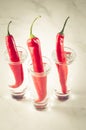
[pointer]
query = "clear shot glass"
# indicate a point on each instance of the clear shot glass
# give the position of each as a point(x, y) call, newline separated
point(17, 74)
point(63, 89)
point(40, 100)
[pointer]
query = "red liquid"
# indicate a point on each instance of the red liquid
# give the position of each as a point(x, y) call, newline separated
point(18, 74)
point(63, 72)
point(41, 87)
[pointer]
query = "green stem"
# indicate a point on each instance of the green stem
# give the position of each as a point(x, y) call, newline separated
point(31, 34)
point(8, 28)
point(62, 31)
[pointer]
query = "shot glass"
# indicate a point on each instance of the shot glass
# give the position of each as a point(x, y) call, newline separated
point(17, 74)
point(40, 99)
point(63, 89)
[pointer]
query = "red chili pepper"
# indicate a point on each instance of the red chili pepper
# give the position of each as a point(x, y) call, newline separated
point(61, 57)
point(34, 47)
point(35, 51)
point(14, 59)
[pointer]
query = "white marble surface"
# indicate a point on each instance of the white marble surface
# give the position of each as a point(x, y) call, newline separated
point(21, 115)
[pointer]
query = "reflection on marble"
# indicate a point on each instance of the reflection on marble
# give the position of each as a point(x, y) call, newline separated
point(69, 115)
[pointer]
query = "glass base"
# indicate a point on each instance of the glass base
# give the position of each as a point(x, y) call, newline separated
point(61, 96)
point(18, 95)
point(41, 105)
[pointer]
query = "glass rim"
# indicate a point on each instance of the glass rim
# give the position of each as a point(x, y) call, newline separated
point(24, 56)
point(47, 67)
point(73, 56)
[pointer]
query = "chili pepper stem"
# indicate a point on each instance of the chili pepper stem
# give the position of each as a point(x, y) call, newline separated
point(31, 34)
point(8, 28)
point(62, 31)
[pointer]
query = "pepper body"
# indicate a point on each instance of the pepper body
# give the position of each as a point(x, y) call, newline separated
point(16, 67)
point(11, 48)
point(60, 53)
point(36, 55)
